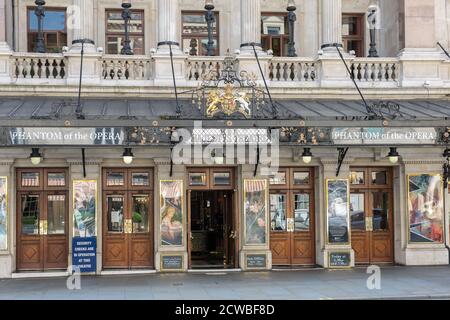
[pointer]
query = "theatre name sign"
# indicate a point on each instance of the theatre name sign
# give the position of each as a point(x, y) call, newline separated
point(384, 136)
point(63, 136)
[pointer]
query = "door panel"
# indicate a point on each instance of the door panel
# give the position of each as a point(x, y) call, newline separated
point(280, 239)
point(303, 233)
point(382, 225)
point(29, 229)
point(360, 237)
point(140, 240)
point(116, 248)
point(55, 240)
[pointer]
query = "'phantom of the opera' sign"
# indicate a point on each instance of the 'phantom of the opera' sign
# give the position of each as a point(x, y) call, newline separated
point(383, 136)
point(66, 136)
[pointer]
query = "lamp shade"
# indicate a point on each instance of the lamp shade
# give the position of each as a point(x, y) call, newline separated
point(128, 156)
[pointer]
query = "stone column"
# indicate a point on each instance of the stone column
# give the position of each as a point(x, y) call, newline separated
point(3, 44)
point(250, 24)
point(169, 19)
point(83, 25)
point(331, 24)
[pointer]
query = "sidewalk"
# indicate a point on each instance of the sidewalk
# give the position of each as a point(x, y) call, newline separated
point(396, 283)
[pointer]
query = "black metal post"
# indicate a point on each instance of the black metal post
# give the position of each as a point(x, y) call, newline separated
point(78, 111)
point(292, 18)
point(126, 16)
point(371, 18)
point(40, 14)
point(210, 19)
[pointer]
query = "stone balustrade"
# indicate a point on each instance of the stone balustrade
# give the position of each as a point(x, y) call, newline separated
point(280, 72)
point(119, 67)
point(373, 70)
point(293, 69)
point(38, 66)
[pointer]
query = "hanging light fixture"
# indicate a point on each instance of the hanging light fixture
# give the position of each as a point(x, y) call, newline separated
point(393, 155)
point(128, 156)
point(35, 156)
point(307, 155)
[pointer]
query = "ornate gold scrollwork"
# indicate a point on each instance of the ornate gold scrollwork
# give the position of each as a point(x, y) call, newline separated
point(128, 227)
point(228, 101)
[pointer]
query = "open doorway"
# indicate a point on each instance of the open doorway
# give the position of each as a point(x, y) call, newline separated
point(212, 235)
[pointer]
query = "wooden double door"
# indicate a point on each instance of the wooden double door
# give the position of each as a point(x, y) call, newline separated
point(42, 219)
point(127, 218)
point(371, 213)
point(292, 237)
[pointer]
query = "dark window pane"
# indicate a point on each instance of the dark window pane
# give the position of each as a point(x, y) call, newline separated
point(357, 211)
point(301, 212)
point(380, 210)
point(197, 179)
point(349, 26)
point(115, 213)
point(195, 23)
point(30, 214)
point(222, 178)
point(56, 212)
point(140, 214)
point(56, 179)
point(115, 43)
point(140, 179)
point(116, 24)
point(115, 179)
point(379, 178)
point(278, 212)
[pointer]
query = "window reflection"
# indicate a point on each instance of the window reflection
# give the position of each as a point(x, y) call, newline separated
point(115, 213)
point(301, 212)
point(380, 210)
point(278, 212)
point(30, 214)
point(115, 32)
point(56, 212)
point(274, 33)
point(278, 178)
point(195, 33)
point(357, 211)
point(140, 214)
point(379, 178)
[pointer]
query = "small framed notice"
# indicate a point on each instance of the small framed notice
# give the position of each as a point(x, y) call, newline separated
point(172, 263)
point(256, 261)
point(339, 260)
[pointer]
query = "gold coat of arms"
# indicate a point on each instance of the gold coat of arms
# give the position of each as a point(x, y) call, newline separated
point(228, 101)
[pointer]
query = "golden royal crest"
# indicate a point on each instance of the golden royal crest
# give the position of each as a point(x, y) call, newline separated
point(228, 101)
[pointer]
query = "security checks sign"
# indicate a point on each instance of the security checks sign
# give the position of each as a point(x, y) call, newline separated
point(383, 136)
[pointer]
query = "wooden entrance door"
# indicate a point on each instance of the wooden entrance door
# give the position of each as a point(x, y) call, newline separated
point(208, 188)
point(42, 219)
point(371, 208)
point(127, 218)
point(292, 217)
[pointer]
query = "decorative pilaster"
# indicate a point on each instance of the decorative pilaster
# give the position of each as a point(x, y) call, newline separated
point(250, 25)
point(83, 28)
point(331, 24)
point(4, 47)
point(169, 16)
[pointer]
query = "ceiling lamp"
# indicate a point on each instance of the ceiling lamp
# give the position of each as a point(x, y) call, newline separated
point(307, 155)
point(128, 156)
point(393, 156)
point(35, 156)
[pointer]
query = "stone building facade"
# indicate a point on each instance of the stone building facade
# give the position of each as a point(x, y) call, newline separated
point(343, 208)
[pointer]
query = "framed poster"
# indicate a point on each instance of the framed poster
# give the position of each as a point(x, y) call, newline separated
point(3, 213)
point(171, 212)
point(426, 208)
point(84, 208)
point(338, 210)
point(255, 211)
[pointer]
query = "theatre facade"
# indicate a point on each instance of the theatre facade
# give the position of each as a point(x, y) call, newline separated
point(173, 160)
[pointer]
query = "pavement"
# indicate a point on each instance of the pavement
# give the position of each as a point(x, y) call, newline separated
point(397, 282)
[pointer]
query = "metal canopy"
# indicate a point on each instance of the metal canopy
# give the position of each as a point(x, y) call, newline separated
point(56, 111)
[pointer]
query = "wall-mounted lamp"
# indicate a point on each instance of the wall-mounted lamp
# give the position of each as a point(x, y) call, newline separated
point(128, 156)
point(393, 155)
point(35, 156)
point(307, 155)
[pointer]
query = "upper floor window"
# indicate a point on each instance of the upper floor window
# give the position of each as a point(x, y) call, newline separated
point(274, 33)
point(115, 31)
point(353, 33)
point(195, 33)
point(55, 30)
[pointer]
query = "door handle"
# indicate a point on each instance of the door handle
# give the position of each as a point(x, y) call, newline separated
point(191, 236)
point(43, 227)
point(369, 224)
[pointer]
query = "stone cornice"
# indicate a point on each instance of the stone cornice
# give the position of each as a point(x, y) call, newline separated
point(6, 162)
point(423, 161)
point(161, 161)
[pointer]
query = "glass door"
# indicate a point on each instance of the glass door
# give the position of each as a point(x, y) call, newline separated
point(360, 226)
point(55, 222)
point(280, 240)
point(302, 226)
point(139, 239)
point(115, 253)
